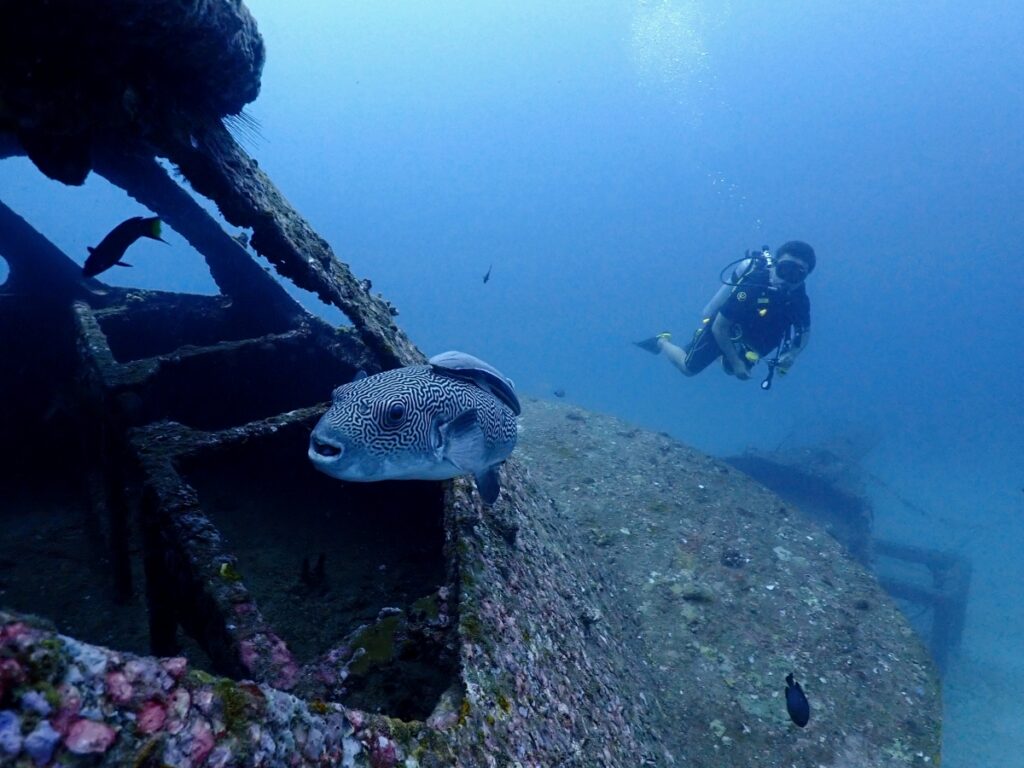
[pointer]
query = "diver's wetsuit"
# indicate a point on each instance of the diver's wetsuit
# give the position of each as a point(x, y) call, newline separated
point(760, 312)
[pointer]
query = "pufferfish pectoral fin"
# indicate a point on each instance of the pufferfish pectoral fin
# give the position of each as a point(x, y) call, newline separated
point(463, 442)
point(465, 447)
point(487, 484)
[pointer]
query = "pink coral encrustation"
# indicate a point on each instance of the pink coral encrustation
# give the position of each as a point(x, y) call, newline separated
point(151, 717)
point(86, 737)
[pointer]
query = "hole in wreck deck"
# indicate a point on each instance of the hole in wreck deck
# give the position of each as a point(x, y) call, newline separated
point(382, 546)
point(56, 559)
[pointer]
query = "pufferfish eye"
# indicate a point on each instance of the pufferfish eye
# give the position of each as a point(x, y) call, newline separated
point(394, 415)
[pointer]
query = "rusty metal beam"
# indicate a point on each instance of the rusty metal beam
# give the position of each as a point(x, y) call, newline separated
point(218, 168)
point(234, 271)
point(37, 266)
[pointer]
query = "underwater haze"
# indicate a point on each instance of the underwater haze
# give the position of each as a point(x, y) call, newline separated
point(605, 161)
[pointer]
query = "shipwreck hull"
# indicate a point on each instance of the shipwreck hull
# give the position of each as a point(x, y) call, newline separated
point(440, 632)
point(438, 629)
point(229, 605)
point(460, 632)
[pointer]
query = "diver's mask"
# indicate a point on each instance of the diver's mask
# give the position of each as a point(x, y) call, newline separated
point(791, 270)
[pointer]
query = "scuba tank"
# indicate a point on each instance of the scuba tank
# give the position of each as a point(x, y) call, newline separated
point(759, 259)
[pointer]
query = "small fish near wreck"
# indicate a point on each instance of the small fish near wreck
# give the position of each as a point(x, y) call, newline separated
point(111, 249)
point(454, 416)
point(796, 702)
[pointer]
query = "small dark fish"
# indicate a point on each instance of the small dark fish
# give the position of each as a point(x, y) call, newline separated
point(796, 703)
point(559, 393)
point(487, 276)
point(111, 249)
point(242, 238)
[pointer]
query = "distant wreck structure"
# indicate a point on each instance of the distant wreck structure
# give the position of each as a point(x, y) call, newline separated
point(828, 482)
point(178, 586)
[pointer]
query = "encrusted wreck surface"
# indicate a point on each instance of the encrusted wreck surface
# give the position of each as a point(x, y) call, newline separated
point(732, 589)
point(535, 681)
point(482, 650)
point(633, 602)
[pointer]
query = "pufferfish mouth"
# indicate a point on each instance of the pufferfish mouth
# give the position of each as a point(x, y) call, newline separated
point(322, 449)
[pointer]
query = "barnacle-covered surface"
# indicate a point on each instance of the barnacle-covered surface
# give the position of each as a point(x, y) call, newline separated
point(493, 650)
point(68, 703)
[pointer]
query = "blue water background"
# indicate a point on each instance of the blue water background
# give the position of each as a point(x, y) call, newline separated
point(608, 159)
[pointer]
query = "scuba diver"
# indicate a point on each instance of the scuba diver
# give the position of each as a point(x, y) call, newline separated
point(763, 306)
